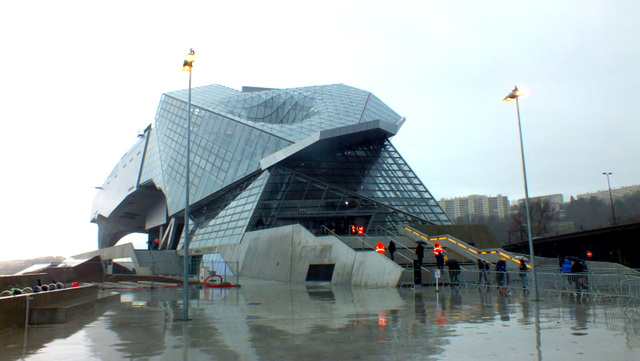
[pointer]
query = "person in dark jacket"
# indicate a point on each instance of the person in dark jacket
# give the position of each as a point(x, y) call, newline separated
point(578, 277)
point(481, 273)
point(454, 271)
point(501, 270)
point(420, 253)
point(522, 272)
point(392, 248)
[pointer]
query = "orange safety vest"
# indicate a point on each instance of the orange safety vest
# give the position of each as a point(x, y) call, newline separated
point(437, 249)
point(380, 248)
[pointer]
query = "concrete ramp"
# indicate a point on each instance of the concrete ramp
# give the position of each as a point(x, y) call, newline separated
point(286, 254)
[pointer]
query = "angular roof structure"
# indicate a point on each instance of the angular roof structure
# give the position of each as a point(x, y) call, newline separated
point(317, 156)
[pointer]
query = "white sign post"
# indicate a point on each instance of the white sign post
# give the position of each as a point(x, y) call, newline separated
point(436, 274)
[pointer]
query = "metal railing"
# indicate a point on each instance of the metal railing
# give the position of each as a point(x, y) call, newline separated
point(598, 284)
point(399, 245)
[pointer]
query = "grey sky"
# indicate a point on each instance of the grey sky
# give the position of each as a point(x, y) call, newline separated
point(79, 80)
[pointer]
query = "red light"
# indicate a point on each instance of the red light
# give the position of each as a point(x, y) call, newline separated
point(589, 254)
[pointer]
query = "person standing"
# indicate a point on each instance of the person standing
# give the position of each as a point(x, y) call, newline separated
point(501, 270)
point(487, 268)
point(392, 248)
point(522, 272)
point(454, 271)
point(576, 270)
point(438, 251)
point(420, 253)
point(482, 272)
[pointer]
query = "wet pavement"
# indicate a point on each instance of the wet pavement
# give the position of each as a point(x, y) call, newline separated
point(276, 321)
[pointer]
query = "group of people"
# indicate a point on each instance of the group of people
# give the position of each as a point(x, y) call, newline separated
point(501, 275)
point(576, 269)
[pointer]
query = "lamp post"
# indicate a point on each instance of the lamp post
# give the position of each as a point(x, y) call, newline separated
point(187, 66)
point(613, 212)
point(514, 95)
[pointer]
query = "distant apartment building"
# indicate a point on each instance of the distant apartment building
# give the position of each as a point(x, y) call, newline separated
point(615, 193)
point(555, 200)
point(476, 205)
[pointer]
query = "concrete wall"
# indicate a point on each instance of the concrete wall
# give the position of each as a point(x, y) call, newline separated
point(158, 263)
point(285, 253)
point(13, 308)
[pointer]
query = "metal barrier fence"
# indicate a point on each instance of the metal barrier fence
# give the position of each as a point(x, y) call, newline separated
point(550, 283)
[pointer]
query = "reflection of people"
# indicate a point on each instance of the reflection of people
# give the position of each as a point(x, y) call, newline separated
point(420, 310)
point(438, 251)
point(420, 253)
point(392, 248)
point(454, 271)
point(503, 309)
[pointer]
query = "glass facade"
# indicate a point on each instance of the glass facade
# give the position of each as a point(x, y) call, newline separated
point(317, 156)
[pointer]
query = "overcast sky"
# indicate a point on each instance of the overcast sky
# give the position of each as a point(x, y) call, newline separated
point(78, 81)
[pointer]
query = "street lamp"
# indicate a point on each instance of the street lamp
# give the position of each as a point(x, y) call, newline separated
point(187, 66)
point(613, 212)
point(514, 94)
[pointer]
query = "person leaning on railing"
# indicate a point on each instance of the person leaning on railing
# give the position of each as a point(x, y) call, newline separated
point(483, 268)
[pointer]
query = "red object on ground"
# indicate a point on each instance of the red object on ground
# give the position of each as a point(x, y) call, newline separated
point(380, 248)
point(216, 285)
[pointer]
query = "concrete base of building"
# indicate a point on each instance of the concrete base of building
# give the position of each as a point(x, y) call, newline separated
point(285, 254)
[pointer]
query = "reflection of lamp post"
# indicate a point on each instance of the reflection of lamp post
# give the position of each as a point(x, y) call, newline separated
point(187, 66)
point(613, 212)
point(515, 95)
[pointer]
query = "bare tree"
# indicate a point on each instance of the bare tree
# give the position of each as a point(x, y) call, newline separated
point(541, 213)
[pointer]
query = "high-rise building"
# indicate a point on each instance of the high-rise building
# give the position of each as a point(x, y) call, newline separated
point(319, 157)
point(476, 205)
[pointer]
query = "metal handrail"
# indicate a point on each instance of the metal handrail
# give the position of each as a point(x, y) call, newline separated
point(331, 232)
point(395, 240)
point(559, 284)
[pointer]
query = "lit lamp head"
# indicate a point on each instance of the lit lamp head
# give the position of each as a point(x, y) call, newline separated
point(513, 95)
point(188, 61)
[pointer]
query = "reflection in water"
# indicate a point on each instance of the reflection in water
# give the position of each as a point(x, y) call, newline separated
point(419, 307)
point(503, 308)
point(274, 321)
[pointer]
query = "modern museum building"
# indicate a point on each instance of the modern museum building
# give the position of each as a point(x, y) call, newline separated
point(279, 180)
